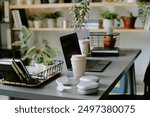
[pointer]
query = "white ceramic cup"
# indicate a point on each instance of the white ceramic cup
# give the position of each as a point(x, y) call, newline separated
point(29, 2)
point(84, 46)
point(19, 2)
point(78, 65)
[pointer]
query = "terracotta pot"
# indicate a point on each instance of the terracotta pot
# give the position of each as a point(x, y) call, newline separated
point(109, 42)
point(129, 22)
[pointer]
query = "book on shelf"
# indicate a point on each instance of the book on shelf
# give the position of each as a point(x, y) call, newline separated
point(102, 51)
point(6, 11)
point(147, 19)
point(16, 18)
point(23, 17)
point(6, 37)
point(9, 43)
point(19, 18)
point(44, 1)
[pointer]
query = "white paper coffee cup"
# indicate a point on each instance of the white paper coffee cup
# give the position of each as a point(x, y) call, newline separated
point(78, 65)
point(84, 46)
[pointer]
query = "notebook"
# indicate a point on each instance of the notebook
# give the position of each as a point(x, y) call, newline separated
point(70, 46)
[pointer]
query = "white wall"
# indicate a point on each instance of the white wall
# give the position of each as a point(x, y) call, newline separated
point(138, 40)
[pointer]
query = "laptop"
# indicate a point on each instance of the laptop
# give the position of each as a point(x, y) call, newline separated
point(70, 46)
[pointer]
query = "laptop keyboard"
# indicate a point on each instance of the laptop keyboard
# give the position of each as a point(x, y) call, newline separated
point(96, 65)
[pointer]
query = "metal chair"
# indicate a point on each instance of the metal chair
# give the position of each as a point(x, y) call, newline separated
point(145, 96)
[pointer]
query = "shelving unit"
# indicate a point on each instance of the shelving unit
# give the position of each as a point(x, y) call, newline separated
point(67, 5)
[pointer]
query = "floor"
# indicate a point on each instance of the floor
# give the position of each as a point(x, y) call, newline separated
point(140, 89)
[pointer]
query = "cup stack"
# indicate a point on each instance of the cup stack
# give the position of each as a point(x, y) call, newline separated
point(88, 85)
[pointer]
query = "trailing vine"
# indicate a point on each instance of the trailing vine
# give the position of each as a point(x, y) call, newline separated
point(80, 12)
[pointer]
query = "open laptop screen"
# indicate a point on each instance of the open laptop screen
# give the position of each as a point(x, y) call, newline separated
point(70, 46)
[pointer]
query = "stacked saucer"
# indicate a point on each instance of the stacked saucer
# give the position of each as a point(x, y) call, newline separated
point(88, 85)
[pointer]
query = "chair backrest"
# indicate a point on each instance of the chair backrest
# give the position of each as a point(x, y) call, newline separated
point(147, 82)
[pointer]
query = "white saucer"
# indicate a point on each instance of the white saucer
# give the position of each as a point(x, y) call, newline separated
point(89, 78)
point(87, 85)
point(92, 91)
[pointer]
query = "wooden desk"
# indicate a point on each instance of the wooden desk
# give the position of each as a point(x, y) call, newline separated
point(122, 65)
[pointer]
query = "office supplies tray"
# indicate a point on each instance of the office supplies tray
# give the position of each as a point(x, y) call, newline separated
point(39, 79)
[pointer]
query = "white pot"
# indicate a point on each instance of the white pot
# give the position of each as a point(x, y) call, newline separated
point(131, 0)
point(19, 2)
point(37, 24)
point(51, 23)
point(60, 22)
point(31, 25)
point(29, 2)
point(108, 23)
point(53, 1)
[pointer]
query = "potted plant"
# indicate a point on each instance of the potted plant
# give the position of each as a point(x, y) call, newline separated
point(40, 54)
point(52, 18)
point(129, 21)
point(80, 13)
point(36, 20)
point(108, 24)
point(109, 41)
point(108, 18)
point(30, 21)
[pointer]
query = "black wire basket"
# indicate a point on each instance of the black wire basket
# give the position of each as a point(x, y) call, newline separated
point(10, 78)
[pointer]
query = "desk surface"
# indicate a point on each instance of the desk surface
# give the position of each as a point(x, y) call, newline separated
point(108, 79)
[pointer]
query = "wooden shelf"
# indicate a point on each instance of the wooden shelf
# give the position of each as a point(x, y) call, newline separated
point(92, 30)
point(41, 6)
point(67, 5)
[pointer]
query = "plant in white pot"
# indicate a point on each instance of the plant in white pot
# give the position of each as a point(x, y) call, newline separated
point(37, 19)
point(40, 54)
point(30, 21)
point(52, 18)
point(108, 19)
point(80, 12)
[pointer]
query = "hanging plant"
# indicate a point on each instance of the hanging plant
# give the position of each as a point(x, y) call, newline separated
point(142, 10)
point(80, 12)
